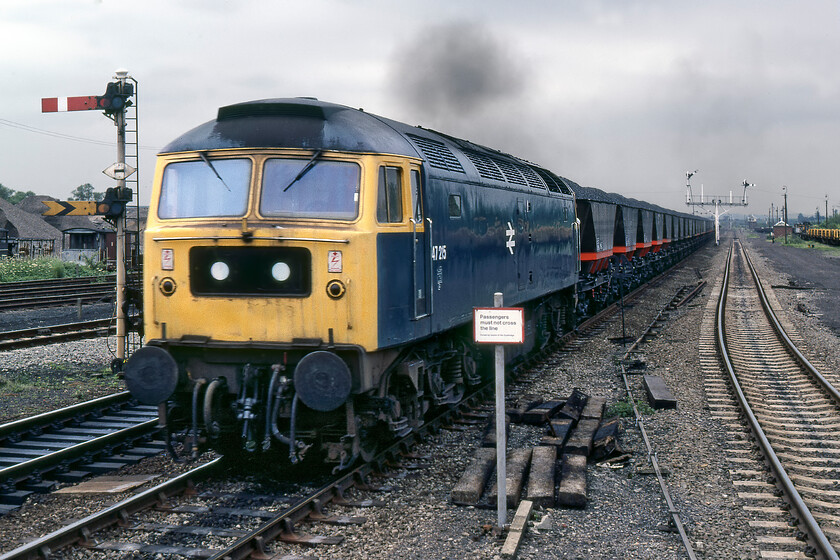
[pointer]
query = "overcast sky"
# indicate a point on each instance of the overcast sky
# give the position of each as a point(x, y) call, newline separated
point(621, 95)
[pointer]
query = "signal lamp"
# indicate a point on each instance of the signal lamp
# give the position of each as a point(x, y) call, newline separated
point(115, 99)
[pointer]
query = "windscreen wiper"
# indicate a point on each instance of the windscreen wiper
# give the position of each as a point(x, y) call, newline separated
point(205, 159)
point(309, 165)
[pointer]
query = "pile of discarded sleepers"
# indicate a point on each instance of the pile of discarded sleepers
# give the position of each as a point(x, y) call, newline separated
point(553, 473)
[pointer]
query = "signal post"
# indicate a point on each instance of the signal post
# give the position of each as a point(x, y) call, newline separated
point(716, 201)
point(113, 103)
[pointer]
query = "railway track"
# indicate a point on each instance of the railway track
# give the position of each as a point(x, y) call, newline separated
point(793, 417)
point(39, 336)
point(56, 292)
point(192, 514)
point(70, 444)
point(199, 515)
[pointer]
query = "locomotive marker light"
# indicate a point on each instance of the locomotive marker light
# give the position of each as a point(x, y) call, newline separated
point(500, 325)
point(113, 103)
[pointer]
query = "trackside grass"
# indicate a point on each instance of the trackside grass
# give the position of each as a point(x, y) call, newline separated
point(44, 268)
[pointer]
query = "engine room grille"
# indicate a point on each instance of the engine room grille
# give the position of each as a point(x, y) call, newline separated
point(532, 177)
point(485, 166)
point(437, 154)
point(512, 175)
point(554, 184)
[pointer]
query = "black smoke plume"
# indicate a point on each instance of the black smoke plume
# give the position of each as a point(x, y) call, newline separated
point(455, 70)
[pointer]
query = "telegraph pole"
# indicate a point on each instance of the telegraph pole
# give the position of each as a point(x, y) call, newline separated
point(784, 189)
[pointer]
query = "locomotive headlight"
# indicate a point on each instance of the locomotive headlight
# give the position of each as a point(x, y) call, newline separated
point(281, 271)
point(219, 271)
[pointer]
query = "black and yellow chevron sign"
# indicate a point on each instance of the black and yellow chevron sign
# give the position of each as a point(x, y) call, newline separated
point(69, 208)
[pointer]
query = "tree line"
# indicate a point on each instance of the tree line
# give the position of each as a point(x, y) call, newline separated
point(82, 192)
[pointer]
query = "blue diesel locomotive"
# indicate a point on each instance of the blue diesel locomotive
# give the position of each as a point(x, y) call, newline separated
point(311, 270)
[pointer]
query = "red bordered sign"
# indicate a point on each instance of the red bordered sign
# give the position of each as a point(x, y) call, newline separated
point(499, 325)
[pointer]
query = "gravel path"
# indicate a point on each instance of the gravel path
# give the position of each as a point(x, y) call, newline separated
point(49, 377)
point(626, 516)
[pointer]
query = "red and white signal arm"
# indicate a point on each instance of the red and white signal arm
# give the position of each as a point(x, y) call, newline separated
point(499, 325)
point(61, 104)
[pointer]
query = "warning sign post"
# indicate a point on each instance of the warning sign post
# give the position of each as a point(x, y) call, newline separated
point(500, 325)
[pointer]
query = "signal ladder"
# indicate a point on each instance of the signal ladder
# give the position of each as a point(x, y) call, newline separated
point(133, 249)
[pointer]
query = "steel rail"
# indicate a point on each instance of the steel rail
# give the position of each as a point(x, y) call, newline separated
point(22, 471)
point(780, 331)
point(62, 414)
point(676, 518)
point(58, 290)
point(253, 544)
point(103, 295)
point(812, 532)
point(81, 531)
point(39, 336)
point(23, 285)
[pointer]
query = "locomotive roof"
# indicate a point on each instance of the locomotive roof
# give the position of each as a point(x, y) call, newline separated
point(303, 122)
point(294, 123)
point(316, 125)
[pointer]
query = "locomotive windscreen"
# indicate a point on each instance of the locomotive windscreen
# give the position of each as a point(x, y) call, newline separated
point(310, 189)
point(204, 188)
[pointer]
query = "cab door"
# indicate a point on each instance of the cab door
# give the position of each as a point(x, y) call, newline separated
point(420, 248)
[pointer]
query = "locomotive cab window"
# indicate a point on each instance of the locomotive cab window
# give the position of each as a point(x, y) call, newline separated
point(416, 203)
point(313, 188)
point(389, 196)
point(206, 188)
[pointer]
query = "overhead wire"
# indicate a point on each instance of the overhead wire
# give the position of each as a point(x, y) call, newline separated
point(60, 135)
